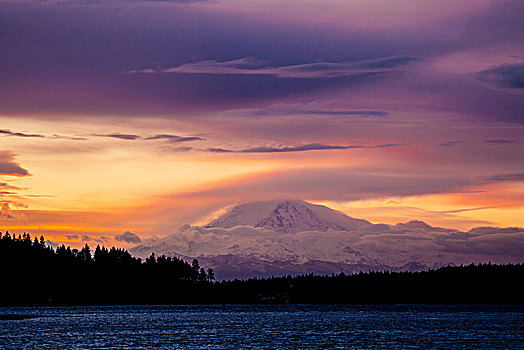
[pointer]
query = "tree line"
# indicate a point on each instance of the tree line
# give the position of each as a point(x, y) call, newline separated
point(36, 274)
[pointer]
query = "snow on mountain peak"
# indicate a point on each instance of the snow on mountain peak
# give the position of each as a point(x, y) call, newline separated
point(293, 237)
point(289, 216)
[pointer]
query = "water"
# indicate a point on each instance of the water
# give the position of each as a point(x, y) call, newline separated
point(266, 327)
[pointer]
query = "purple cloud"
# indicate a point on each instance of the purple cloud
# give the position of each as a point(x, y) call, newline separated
point(128, 237)
point(252, 66)
point(336, 184)
point(506, 76)
point(507, 177)
point(8, 132)
point(174, 138)
point(20, 134)
point(309, 147)
point(8, 165)
point(86, 238)
point(299, 110)
point(168, 137)
point(302, 148)
point(62, 75)
point(119, 136)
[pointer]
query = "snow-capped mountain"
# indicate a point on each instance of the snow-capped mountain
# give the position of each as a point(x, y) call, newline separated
point(287, 217)
point(261, 239)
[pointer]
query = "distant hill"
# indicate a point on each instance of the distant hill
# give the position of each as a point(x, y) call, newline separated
point(262, 239)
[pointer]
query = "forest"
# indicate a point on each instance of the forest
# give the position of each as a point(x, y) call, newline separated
point(33, 274)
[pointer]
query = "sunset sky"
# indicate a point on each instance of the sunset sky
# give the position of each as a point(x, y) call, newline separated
point(143, 116)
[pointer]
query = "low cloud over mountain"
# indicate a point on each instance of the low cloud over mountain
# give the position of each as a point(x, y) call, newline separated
point(128, 237)
point(294, 237)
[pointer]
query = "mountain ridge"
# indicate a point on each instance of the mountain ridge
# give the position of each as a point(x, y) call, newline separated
point(294, 237)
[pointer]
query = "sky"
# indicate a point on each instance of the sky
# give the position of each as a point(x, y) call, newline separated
point(134, 117)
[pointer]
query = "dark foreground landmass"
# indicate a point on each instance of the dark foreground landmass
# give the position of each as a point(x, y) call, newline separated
point(34, 274)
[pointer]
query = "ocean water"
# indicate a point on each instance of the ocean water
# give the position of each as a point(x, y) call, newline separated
point(266, 327)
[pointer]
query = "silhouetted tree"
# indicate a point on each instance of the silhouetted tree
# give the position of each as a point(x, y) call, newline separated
point(85, 254)
point(202, 274)
point(210, 275)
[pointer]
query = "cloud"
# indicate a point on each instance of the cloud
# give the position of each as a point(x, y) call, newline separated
point(8, 132)
point(72, 237)
point(168, 137)
point(507, 177)
point(128, 237)
point(94, 84)
point(331, 184)
point(503, 142)
point(345, 112)
point(296, 110)
point(302, 148)
point(462, 210)
point(253, 66)
point(309, 147)
point(174, 138)
point(119, 136)
point(450, 143)
point(8, 165)
point(102, 2)
point(174, 1)
point(20, 134)
point(75, 138)
point(86, 238)
point(506, 76)
point(177, 149)
point(386, 145)
point(5, 210)
point(374, 245)
point(6, 186)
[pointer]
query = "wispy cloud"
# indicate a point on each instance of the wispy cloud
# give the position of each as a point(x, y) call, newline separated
point(117, 135)
point(174, 138)
point(169, 137)
point(345, 112)
point(302, 148)
point(450, 143)
point(506, 76)
point(502, 142)
point(309, 147)
point(278, 111)
point(386, 145)
point(177, 149)
point(74, 138)
point(99, 2)
point(7, 132)
point(507, 177)
point(455, 211)
point(253, 66)
point(19, 134)
point(487, 142)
